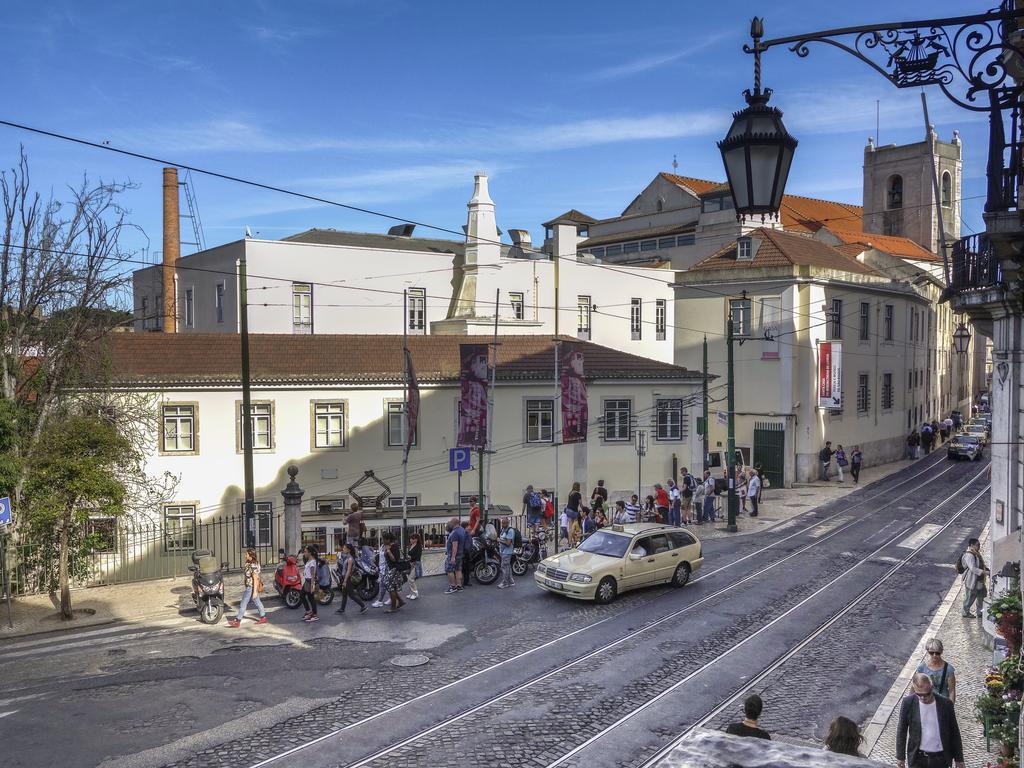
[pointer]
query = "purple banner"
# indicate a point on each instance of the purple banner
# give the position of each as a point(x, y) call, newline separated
point(412, 405)
point(473, 403)
point(574, 398)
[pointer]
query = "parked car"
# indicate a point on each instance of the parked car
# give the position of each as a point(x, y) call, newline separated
point(620, 558)
point(965, 446)
point(977, 428)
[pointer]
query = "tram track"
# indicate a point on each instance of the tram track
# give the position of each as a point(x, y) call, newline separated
point(382, 756)
point(886, 491)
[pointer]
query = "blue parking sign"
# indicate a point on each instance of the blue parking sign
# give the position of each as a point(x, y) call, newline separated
point(459, 459)
point(5, 510)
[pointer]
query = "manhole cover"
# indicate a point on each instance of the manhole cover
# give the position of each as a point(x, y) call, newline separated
point(410, 660)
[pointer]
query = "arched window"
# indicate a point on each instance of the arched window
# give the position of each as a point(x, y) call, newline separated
point(894, 192)
point(947, 189)
point(661, 204)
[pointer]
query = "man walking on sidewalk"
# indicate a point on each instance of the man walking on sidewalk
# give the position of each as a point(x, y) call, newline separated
point(506, 546)
point(753, 491)
point(927, 735)
point(825, 457)
point(972, 565)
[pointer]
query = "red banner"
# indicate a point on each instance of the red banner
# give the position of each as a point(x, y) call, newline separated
point(473, 403)
point(830, 375)
point(412, 405)
point(574, 398)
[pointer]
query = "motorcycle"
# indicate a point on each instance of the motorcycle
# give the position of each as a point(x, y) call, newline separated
point(484, 562)
point(207, 586)
point(365, 576)
point(288, 581)
point(533, 551)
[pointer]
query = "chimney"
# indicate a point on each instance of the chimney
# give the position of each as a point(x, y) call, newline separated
point(172, 250)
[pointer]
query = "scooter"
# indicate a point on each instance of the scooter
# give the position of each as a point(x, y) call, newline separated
point(207, 586)
point(484, 562)
point(288, 581)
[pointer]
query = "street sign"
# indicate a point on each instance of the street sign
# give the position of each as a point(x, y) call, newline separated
point(830, 375)
point(460, 459)
point(723, 419)
point(5, 511)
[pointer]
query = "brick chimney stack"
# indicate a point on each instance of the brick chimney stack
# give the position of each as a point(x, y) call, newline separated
point(172, 250)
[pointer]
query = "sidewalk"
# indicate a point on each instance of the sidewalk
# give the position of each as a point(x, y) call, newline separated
point(779, 505)
point(964, 647)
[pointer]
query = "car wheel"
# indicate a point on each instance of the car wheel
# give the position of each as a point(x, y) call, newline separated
point(606, 591)
point(682, 575)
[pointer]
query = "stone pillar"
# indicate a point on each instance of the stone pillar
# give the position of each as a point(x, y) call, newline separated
point(292, 513)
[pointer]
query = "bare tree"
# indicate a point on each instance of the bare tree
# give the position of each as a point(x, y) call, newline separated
point(62, 278)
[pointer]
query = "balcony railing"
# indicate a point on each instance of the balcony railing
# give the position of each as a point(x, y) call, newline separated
point(975, 265)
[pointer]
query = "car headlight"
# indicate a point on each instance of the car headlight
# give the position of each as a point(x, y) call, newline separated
point(541, 568)
point(582, 578)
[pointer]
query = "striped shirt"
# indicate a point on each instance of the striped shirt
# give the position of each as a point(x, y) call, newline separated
point(632, 512)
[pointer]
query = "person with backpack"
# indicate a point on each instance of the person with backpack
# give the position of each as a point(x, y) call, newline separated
point(856, 459)
point(927, 438)
point(506, 547)
point(253, 588)
point(688, 489)
point(549, 510)
point(309, 583)
point(972, 566)
point(938, 669)
point(599, 498)
point(533, 507)
point(391, 575)
point(346, 561)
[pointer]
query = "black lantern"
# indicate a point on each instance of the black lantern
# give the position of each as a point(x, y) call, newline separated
point(757, 151)
point(961, 339)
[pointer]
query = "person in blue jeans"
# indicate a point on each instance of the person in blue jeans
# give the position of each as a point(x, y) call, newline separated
point(253, 585)
point(709, 497)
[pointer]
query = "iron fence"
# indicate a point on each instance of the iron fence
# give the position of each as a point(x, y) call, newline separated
point(975, 264)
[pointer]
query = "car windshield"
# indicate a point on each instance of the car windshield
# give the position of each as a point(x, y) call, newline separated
point(968, 440)
point(604, 543)
point(976, 428)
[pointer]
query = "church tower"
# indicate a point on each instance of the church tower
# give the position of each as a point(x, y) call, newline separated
point(899, 196)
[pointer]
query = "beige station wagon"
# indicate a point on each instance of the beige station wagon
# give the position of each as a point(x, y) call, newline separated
point(622, 557)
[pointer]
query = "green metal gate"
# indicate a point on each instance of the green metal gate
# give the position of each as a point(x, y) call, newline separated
point(770, 451)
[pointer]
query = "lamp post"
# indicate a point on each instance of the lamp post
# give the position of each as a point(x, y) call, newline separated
point(961, 339)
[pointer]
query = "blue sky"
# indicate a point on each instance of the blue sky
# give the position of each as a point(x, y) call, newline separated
point(393, 105)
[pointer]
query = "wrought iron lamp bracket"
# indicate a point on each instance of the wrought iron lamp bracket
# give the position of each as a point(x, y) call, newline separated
point(965, 56)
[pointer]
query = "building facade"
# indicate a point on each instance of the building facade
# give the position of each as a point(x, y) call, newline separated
point(332, 406)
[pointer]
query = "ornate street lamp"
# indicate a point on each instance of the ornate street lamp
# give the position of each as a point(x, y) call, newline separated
point(961, 339)
point(758, 150)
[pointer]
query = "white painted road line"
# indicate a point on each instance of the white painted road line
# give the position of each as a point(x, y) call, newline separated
point(922, 534)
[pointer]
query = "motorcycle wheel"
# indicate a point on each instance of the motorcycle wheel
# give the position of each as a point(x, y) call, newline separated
point(325, 596)
point(367, 589)
point(520, 566)
point(486, 572)
point(210, 612)
point(292, 598)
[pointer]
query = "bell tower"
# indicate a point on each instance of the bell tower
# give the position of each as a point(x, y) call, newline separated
point(899, 196)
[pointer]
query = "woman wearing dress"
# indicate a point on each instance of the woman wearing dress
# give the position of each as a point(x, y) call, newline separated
point(391, 577)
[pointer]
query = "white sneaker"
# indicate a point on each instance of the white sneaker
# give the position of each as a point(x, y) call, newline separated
point(414, 596)
point(376, 604)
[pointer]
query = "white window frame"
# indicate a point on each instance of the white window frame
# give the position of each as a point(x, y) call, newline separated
point(393, 410)
point(218, 298)
point(636, 320)
point(334, 414)
point(417, 308)
point(615, 404)
point(535, 432)
point(262, 418)
point(660, 319)
point(264, 512)
point(395, 502)
point(741, 325)
point(174, 415)
point(518, 302)
point(669, 430)
point(744, 249)
point(771, 319)
point(180, 514)
point(302, 308)
point(583, 318)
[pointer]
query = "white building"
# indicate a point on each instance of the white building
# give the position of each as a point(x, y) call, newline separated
point(331, 405)
point(327, 281)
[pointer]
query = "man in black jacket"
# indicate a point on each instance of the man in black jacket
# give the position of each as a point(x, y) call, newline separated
point(927, 735)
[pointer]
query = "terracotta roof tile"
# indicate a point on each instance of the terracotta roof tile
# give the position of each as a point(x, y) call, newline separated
point(903, 247)
point(696, 186)
point(784, 249)
point(351, 358)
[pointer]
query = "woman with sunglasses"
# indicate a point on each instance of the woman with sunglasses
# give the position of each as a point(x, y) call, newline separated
point(938, 669)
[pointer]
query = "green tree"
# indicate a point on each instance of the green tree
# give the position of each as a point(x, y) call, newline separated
point(81, 469)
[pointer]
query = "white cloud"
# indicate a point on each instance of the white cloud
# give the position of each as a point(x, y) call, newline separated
point(655, 60)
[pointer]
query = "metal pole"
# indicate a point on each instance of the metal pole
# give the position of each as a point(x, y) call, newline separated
point(557, 259)
point(556, 416)
point(490, 402)
point(6, 579)
point(733, 500)
point(405, 417)
point(639, 465)
point(459, 492)
point(243, 324)
point(706, 425)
